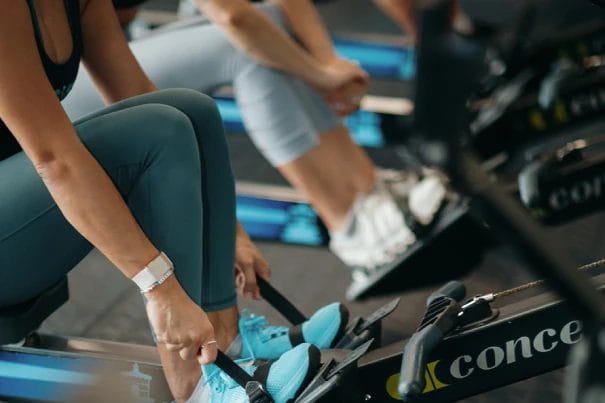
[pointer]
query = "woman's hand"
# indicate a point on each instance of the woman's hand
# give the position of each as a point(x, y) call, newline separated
point(249, 263)
point(179, 323)
point(338, 73)
point(346, 100)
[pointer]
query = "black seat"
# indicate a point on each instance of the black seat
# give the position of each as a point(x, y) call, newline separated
point(18, 321)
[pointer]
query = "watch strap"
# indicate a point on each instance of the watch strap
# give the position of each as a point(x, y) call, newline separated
point(155, 273)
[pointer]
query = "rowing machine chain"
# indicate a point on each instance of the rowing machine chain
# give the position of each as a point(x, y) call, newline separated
point(493, 296)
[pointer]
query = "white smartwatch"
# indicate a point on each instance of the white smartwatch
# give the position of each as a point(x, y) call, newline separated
point(154, 274)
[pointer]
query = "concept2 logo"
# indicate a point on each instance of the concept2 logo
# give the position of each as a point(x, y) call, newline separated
point(480, 362)
point(578, 192)
point(430, 377)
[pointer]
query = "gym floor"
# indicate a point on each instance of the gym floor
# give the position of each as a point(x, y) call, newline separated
point(105, 305)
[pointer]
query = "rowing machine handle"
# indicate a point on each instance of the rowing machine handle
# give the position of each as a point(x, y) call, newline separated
point(411, 379)
point(454, 290)
point(441, 316)
point(280, 303)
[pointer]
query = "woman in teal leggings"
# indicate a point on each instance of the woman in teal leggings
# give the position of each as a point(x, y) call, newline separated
point(148, 174)
point(177, 146)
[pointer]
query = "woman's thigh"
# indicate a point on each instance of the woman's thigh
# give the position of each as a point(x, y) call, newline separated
point(37, 245)
point(283, 116)
point(151, 152)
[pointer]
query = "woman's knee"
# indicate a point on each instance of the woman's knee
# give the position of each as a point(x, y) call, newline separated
point(141, 134)
point(201, 110)
point(205, 118)
point(168, 129)
point(184, 98)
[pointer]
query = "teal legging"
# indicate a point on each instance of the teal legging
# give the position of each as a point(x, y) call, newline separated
point(167, 155)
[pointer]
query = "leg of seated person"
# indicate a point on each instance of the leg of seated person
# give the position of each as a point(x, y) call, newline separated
point(332, 174)
point(166, 166)
point(298, 133)
point(208, 279)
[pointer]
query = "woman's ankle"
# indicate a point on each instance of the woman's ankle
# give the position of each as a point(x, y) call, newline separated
point(225, 323)
point(182, 376)
point(341, 220)
point(367, 183)
point(185, 389)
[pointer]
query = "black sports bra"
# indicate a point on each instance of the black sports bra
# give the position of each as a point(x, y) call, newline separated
point(61, 76)
point(127, 3)
point(134, 3)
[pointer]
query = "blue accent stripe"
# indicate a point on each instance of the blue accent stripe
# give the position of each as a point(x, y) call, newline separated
point(276, 220)
point(259, 214)
point(380, 60)
point(34, 390)
point(12, 370)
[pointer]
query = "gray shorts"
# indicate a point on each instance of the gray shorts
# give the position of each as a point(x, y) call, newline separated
point(283, 116)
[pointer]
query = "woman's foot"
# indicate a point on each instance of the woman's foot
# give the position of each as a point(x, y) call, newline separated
point(283, 379)
point(419, 194)
point(385, 223)
point(259, 340)
point(374, 232)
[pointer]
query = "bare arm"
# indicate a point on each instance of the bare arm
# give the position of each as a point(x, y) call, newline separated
point(82, 190)
point(308, 28)
point(258, 36)
point(107, 57)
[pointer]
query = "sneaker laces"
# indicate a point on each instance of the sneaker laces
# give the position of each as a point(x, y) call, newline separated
point(219, 381)
point(375, 232)
point(389, 222)
point(384, 238)
point(420, 195)
point(258, 324)
point(398, 182)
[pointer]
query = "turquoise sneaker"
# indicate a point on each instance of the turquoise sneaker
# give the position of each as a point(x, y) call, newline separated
point(263, 341)
point(283, 379)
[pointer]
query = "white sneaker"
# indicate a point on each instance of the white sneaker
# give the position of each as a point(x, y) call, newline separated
point(380, 225)
point(420, 193)
point(426, 198)
point(374, 233)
